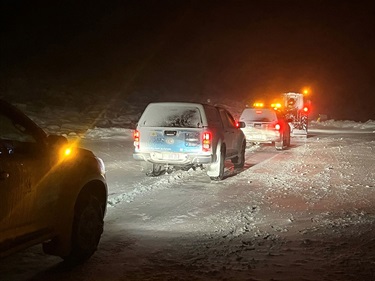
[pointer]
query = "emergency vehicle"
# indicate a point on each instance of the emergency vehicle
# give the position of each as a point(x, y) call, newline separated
point(296, 109)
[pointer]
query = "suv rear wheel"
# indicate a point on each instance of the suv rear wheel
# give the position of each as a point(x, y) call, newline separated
point(288, 139)
point(279, 145)
point(152, 169)
point(216, 169)
point(239, 161)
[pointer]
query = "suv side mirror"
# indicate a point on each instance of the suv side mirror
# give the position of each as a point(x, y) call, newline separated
point(241, 124)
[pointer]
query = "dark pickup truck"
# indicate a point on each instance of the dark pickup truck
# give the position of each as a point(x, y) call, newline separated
point(51, 192)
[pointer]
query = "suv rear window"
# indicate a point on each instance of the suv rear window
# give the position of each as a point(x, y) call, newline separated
point(171, 116)
point(258, 115)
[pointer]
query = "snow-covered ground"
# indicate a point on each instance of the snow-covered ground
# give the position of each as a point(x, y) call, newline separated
point(305, 213)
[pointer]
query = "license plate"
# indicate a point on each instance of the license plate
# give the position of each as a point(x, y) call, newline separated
point(259, 137)
point(170, 156)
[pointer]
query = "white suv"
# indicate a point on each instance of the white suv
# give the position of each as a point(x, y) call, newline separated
point(181, 134)
point(266, 125)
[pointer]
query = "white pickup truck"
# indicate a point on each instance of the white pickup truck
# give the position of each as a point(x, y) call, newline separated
point(184, 135)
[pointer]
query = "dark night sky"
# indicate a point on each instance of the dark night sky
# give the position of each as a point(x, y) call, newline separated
point(222, 49)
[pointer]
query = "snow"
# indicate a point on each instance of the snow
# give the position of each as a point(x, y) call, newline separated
point(305, 213)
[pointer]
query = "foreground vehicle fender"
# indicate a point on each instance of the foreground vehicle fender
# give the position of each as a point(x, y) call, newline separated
point(63, 244)
point(87, 229)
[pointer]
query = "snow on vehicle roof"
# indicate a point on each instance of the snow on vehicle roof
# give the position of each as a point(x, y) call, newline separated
point(172, 114)
point(258, 115)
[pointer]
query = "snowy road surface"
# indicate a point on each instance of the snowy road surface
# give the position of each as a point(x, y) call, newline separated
point(306, 213)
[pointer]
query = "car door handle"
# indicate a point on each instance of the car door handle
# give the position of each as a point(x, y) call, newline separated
point(4, 175)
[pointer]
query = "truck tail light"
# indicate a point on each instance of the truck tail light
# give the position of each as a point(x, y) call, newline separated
point(207, 141)
point(305, 109)
point(278, 126)
point(136, 137)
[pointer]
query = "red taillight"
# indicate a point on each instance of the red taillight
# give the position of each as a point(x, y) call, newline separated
point(278, 126)
point(207, 141)
point(136, 137)
point(306, 109)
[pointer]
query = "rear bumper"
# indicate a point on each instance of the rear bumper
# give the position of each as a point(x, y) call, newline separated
point(263, 137)
point(173, 158)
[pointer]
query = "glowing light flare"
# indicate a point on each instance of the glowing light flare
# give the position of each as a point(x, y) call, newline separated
point(306, 91)
point(306, 109)
point(63, 153)
point(277, 126)
point(258, 104)
point(67, 152)
point(276, 106)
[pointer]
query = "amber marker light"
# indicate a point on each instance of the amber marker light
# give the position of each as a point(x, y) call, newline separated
point(258, 104)
point(276, 106)
point(67, 152)
point(306, 91)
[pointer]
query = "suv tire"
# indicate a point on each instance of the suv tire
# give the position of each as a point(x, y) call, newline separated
point(152, 169)
point(288, 139)
point(279, 145)
point(217, 168)
point(87, 228)
point(239, 161)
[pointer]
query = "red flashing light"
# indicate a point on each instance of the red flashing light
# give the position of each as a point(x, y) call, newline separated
point(306, 109)
point(278, 126)
point(136, 137)
point(207, 141)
